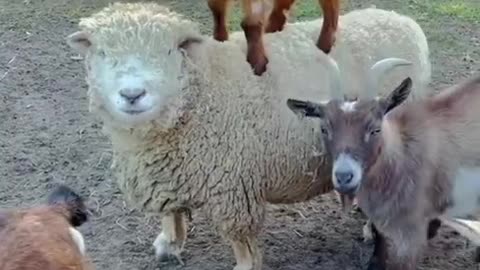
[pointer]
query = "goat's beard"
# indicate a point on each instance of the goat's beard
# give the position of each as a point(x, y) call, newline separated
point(348, 202)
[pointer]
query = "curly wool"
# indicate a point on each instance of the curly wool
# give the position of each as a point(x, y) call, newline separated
point(236, 145)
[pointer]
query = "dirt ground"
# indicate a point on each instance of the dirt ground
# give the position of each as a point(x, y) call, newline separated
point(47, 137)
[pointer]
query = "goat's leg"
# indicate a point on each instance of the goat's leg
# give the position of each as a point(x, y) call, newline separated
point(402, 249)
point(219, 9)
point(247, 254)
point(368, 231)
point(252, 25)
point(433, 227)
point(170, 242)
point(278, 16)
point(331, 10)
point(379, 257)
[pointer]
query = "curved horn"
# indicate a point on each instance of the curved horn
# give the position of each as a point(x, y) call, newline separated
point(379, 69)
point(336, 91)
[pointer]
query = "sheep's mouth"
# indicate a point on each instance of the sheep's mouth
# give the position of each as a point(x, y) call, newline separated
point(133, 112)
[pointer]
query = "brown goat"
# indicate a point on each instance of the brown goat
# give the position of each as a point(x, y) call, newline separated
point(407, 163)
point(44, 237)
point(253, 25)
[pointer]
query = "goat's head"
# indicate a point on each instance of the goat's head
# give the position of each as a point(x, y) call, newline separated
point(352, 131)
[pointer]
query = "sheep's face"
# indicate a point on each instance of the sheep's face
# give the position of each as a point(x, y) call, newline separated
point(352, 133)
point(132, 85)
point(128, 86)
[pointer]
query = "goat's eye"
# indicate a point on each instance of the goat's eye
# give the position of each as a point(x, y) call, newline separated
point(375, 131)
point(324, 130)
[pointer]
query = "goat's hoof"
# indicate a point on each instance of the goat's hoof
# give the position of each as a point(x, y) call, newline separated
point(367, 233)
point(476, 255)
point(166, 250)
point(326, 45)
point(276, 22)
point(220, 36)
point(375, 265)
point(433, 227)
point(259, 66)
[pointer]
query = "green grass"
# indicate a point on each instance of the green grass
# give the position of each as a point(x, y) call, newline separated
point(466, 10)
point(307, 9)
point(460, 9)
point(303, 10)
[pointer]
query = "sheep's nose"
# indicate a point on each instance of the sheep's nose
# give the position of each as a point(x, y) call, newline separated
point(344, 177)
point(132, 94)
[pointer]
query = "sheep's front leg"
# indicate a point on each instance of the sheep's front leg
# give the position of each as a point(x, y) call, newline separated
point(219, 9)
point(252, 25)
point(247, 254)
point(331, 9)
point(170, 242)
point(278, 16)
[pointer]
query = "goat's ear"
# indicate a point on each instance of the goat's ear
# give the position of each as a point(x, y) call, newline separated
point(79, 41)
point(305, 108)
point(397, 96)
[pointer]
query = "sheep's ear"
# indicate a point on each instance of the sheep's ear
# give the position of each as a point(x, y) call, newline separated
point(306, 108)
point(188, 43)
point(79, 41)
point(397, 96)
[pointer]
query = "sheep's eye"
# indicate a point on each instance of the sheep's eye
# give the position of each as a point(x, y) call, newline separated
point(169, 51)
point(101, 53)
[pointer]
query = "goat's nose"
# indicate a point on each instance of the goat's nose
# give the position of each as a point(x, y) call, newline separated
point(344, 177)
point(132, 94)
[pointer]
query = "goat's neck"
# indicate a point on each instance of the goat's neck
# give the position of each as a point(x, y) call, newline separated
point(384, 184)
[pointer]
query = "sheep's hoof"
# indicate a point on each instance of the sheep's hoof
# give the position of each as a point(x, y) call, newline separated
point(167, 250)
point(243, 267)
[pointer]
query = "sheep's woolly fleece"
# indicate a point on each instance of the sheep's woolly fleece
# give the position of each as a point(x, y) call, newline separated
point(122, 29)
point(237, 145)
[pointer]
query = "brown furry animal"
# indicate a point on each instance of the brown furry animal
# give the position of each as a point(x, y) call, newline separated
point(44, 237)
point(408, 163)
point(255, 23)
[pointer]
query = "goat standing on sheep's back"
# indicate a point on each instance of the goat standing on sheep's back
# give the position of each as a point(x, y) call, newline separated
point(409, 164)
point(45, 237)
point(255, 23)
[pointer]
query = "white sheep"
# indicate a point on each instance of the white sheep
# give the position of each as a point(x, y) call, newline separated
point(191, 126)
